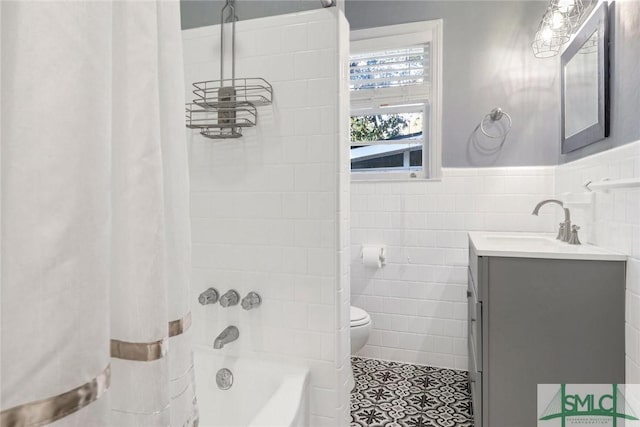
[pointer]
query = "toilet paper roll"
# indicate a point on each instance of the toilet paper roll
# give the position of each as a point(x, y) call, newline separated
point(373, 256)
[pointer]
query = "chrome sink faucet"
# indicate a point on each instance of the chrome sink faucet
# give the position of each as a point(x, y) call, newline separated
point(229, 334)
point(564, 233)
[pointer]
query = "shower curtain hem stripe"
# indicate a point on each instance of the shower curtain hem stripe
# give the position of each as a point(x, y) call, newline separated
point(149, 351)
point(48, 410)
point(179, 326)
point(139, 351)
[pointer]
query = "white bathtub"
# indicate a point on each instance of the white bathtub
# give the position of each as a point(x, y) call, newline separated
point(264, 393)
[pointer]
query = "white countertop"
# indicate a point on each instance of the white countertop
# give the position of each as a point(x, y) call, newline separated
point(536, 245)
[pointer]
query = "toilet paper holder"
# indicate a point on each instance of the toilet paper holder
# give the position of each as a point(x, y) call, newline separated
point(371, 254)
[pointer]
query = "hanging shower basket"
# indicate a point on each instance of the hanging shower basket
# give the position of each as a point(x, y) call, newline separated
point(223, 107)
point(255, 91)
point(221, 121)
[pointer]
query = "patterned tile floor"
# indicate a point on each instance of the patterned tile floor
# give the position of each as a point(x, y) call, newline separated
point(393, 394)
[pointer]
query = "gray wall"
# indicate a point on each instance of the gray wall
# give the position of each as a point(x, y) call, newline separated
point(199, 13)
point(624, 80)
point(488, 63)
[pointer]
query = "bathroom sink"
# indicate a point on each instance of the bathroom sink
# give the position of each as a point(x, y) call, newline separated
point(536, 245)
point(520, 239)
point(522, 242)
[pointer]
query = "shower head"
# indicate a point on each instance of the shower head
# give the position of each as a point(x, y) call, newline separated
point(327, 3)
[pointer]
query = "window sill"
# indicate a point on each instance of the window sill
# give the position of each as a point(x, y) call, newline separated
point(391, 177)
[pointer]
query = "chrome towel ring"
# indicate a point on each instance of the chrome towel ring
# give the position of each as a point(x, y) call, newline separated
point(496, 115)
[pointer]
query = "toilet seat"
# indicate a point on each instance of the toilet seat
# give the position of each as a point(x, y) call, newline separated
point(359, 317)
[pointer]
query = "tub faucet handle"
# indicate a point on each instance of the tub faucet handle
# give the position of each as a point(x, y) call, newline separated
point(210, 296)
point(230, 298)
point(252, 300)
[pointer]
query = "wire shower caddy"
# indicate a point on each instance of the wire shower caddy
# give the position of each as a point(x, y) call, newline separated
point(222, 108)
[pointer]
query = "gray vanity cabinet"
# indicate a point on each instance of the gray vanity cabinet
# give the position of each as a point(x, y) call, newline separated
point(540, 321)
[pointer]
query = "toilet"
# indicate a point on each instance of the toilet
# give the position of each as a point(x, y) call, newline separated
point(360, 328)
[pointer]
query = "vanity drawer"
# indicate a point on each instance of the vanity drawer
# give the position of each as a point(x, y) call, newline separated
point(478, 270)
point(473, 265)
point(474, 323)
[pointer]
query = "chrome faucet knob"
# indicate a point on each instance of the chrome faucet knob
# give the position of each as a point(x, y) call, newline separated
point(252, 300)
point(574, 240)
point(230, 298)
point(210, 296)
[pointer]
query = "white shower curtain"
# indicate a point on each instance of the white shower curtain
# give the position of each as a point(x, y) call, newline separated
point(95, 232)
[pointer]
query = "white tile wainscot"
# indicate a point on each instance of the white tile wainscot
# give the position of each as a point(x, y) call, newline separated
point(418, 299)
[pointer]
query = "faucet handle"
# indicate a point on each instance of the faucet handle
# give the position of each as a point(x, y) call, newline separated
point(210, 296)
point(573, 240)
point(252, 300)
point(561, 231)
point(230, 298)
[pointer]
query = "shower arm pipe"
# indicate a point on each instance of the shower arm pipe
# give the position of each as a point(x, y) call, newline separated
point(232, 15)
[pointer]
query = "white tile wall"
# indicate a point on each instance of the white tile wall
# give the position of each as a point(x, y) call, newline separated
point(612, 220)
point(417, 301)
point(343, 354)
point(270, 210)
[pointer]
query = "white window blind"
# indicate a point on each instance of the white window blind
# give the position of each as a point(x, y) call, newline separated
point(399, 75)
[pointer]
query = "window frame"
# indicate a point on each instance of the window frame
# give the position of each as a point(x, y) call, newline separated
point(397, 36)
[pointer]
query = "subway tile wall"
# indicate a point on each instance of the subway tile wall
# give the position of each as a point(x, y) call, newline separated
point(343, 314)
point(269, 210)
point(417, 301)
point(612, 220)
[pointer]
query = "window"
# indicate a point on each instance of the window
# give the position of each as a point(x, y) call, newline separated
point(390, 140)
point(395, 101)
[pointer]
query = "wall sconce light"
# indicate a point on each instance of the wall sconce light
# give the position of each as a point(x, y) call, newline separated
point(558, 22)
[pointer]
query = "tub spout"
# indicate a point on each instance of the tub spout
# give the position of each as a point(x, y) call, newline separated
point(229, 334)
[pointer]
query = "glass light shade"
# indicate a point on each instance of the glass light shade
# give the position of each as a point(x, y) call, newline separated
point(543, 50)
point(554, 31)
point(571, 9)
